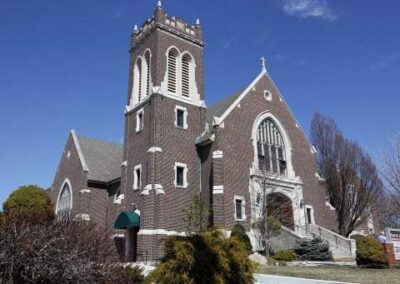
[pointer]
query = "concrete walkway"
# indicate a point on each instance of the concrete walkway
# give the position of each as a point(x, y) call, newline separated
point(276, 279)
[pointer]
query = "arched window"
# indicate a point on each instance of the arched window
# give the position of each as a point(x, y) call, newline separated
point(172, 70)
point(64, 202)
point(137, 81)
point(186, 76)
point(270, 148)
point(147, 75)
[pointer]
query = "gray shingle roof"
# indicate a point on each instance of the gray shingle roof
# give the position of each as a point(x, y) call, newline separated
point(219, 108)
point(102, 158)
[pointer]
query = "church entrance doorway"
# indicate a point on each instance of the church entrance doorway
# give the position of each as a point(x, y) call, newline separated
point(280, 207)
point(131, 248)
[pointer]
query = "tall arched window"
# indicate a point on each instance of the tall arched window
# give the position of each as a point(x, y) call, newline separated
point(137, 81)
point(147, 75)
point(64, 202)
point(186, 76)
point(172, 70)
point(270, 148)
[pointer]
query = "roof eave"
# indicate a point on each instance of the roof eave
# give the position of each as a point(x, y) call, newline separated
point(79, 150)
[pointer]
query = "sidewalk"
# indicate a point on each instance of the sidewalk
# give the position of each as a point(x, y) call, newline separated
point(276, 279)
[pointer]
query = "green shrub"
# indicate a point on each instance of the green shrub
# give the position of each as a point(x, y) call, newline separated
point(205, 258)
point(356, 237)
point(125, 275)
point(272, 261)
point(285, 255)
point(315, 249)
point(369, 253)
point(239, 232)
point(29, 202)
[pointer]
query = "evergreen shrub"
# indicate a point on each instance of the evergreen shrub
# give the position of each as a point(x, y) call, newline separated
point(205, 258)
point(239, 232)
point(30, 203)
point(315, 249)
point(285, 255)
point(369, 253)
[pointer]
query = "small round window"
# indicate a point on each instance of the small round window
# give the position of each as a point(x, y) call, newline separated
point(268, 95)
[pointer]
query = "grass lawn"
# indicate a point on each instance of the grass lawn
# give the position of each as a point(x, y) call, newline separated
point(346, 274)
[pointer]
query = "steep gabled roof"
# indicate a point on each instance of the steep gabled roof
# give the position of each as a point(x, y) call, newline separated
point(219, 108)
point(102, 160)
point(217, 114)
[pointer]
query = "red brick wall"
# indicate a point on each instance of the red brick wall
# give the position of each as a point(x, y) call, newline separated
point(234, 140)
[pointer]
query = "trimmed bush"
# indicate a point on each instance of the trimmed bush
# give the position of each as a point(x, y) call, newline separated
point(370, 254)
point(285, 255)
point(205, 258)
point(239, 232)
point(315, 249)
point(29, 202)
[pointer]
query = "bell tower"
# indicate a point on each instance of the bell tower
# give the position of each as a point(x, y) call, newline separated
point(165, 112)
point(166, 57)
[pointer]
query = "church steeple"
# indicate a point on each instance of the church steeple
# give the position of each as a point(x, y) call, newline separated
point(167, 58)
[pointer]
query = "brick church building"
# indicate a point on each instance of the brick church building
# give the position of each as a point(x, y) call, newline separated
point(175, 146)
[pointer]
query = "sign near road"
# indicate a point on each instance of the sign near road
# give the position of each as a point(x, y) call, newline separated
point(393, 236)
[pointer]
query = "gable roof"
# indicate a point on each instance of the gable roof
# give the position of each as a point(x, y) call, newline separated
point(220, 107)
point(217, 114)
point(102, 160)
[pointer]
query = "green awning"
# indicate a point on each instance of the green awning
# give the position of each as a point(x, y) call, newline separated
point(127, 220)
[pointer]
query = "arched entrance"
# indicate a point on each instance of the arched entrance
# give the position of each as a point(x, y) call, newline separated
point(280, 207)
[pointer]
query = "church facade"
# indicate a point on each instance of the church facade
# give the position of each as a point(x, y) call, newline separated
point(246, 149)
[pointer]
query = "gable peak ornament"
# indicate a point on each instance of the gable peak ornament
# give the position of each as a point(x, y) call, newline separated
point(263, 64)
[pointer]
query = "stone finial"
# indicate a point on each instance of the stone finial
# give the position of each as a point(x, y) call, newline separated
point(159, 3)
point(198, 22)
point(135, 28)
point(263, 64)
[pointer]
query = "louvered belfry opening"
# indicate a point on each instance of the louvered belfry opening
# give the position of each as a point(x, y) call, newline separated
point(186, 75)
point(172, 55)
point(139, 81)
point(147, 58)
point(270, 148)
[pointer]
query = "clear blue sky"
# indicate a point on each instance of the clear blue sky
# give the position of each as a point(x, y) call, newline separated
point(64, 64)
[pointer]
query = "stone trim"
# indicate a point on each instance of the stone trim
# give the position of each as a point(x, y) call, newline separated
point(240, 197)
point(219, 120)
point(185, 117)
point(82, 217)
point(139, 124)
point(185, 174)
point(160, 232)
point(66, 181)
point(154, 149)
point(218, 154)
point(79, 150)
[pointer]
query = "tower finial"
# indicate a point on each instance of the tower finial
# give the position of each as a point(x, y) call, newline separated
point(263, 64)
point(198, 21)
point(159, 3)
point(135, 28)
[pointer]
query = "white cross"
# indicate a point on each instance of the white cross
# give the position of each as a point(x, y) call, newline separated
point(263, 63)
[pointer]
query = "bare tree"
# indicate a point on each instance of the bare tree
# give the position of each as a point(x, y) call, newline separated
point(391, 170)
point(195, 217)
point(391, 173)
point(56, 252)
point(352, 179)
point(272, 211)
